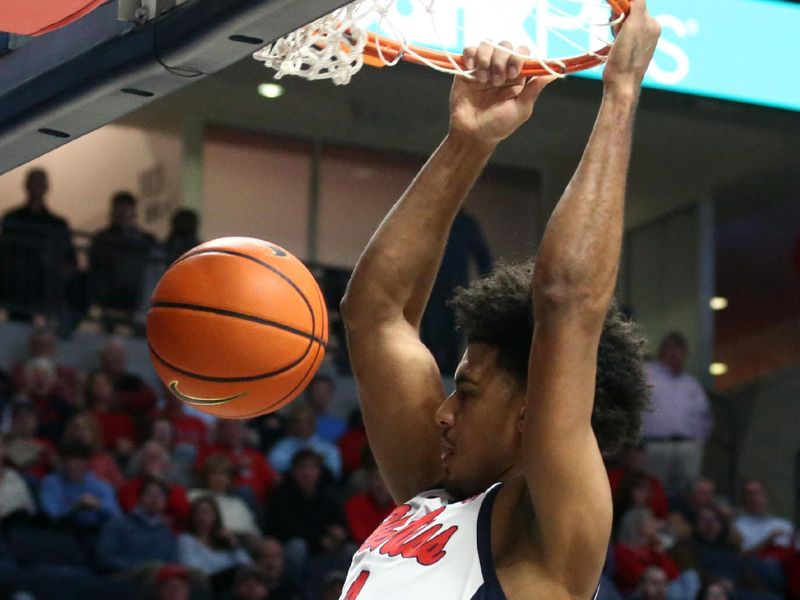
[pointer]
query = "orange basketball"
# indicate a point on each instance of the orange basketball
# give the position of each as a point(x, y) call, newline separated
point(237, 327)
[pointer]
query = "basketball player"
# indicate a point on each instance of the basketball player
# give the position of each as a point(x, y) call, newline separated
point(501, 486)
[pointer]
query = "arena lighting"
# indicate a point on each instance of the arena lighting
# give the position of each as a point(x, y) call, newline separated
point(271, 90)
point(717, 369)
point(718, 303)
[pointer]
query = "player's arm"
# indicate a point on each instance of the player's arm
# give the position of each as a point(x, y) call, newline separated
point(399, 384)
point(574, 280)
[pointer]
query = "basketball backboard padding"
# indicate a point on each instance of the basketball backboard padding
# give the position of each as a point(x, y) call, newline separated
point(70, 80)
point(34, 18)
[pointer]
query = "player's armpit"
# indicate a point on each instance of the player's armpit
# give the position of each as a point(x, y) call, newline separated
point(561, 459)
point(400, 389)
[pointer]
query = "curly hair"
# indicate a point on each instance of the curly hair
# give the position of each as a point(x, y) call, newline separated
point(498, 310)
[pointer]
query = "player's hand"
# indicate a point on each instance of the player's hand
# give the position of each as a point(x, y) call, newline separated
point(633, 49)
point(492, 106)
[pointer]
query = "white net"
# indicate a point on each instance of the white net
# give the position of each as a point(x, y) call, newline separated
point(435, 32)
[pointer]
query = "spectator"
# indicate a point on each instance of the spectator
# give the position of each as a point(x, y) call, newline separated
point(366, 510)
point(118, 259)
point(172, 583)
point(332, 585)
point(83, 429)
point(269, 557)
point(76, 497)
point(300, 513)
point(44, 344)
point(33, 457)
point(36, 253)
point(141, 536)
point(190, 431)
point(701, 494)
point(680, 422)
point(755, 525)
point(254, 477)
point(302, 435)
point(320, 398)
point(118, 429)
point(153, 463)
point(15, 497)
point(216, 479)
point(639, 547)
point(40, 390)
point(134, 396)
point(716, 590)
point(631, 485)
point(183, 234)
point(438, 329)
point(351, 445)
point(206, 546)
point(653, 585)
point(250, 583)
point(181, 458)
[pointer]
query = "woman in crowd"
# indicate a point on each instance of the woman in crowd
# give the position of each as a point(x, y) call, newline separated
point(118, 429)
point(206, 545)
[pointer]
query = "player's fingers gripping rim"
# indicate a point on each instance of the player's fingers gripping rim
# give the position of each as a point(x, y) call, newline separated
point(483, 61)
point(500, 59)
point(516, 61)
point(469, 54)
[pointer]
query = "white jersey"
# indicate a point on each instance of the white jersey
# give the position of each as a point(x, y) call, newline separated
point(430, 547)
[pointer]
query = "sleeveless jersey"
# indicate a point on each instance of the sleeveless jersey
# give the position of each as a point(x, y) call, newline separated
point(429, 547)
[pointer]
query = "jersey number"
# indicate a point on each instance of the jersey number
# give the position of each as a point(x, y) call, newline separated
point(358, 585)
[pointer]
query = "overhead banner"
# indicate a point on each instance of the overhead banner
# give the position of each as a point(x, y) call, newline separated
point(742, 50)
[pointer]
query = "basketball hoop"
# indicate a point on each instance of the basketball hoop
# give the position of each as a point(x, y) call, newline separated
point(434, 33)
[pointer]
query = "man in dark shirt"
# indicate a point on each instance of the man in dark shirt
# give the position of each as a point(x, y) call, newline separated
point(36, 253)
point(118, 258)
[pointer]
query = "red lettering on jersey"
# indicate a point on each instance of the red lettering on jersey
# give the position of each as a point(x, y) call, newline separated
point(420, 539)
point(358, 585)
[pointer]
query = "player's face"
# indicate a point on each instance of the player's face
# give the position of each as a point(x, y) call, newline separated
point(480, 423)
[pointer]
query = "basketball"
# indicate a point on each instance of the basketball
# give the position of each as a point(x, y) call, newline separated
point(237, 327)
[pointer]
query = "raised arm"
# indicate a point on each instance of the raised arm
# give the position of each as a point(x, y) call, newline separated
point(573, 283)
point(399, 385)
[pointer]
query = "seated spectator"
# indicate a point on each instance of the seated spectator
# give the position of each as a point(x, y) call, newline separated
point(701, 494)
point(365, 511)
point(43, 343)
point(181, 457)
point(134, 396)
point(249, 583)
point(216, 478)
point(352, 443)
point(714, 556)
point(189, 430)
point(141, 536)
point(319, 396)
point(183, 234)
point(269, 557)
point(32, 456)
point(302, 435)
point(153, 463)
point(76, 497)
point(755, 525)
point(83, 429)
point(40, 390)
point(638, 548)
point(15, 496)
point(36, 253)
point(254, 477)
point(630, 481)
point(333, 585)
point(118, 259)
point(716, 590)
point(206, 546)
point(653, 585)
point(300, 513)
point(119, 431)
point(172, 583)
